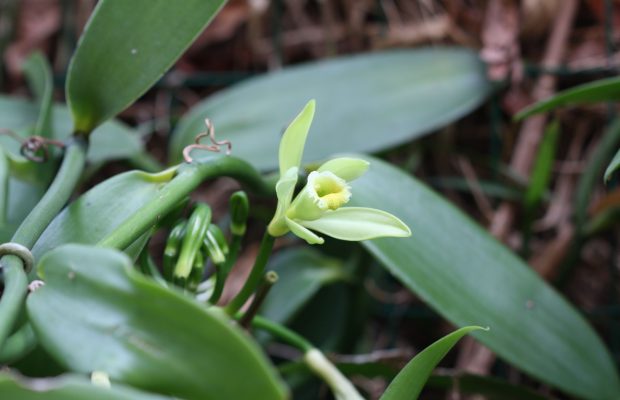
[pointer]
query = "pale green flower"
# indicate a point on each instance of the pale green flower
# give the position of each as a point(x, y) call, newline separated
point(318, 206)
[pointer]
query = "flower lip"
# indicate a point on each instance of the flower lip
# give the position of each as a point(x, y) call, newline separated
point(328, 190)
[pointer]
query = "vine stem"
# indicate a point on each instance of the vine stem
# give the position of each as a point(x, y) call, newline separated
point(315, 360)
point(57, 195)
point(281, 332)
point(188, 177)
point(266, 246)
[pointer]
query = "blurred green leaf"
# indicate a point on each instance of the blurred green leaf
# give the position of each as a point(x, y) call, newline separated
point(39, 75)
point(301, 274)
point(591, 174)
point(365, 103)
point(25, 183)
point(470, 278)
point(96, 313)
point(594, 92)
point(111, 141)
point(613, 166)
point(66, 388)
point(126, 47)
point(411, 379)
point(543, 165)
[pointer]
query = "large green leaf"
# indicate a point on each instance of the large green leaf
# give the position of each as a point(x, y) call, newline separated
point(302, 273)
point(97, 313)
point(66, 388)
point(409, 382)
point(126, 47)
point(364, 103)
point(471, 279)
point(594, 92)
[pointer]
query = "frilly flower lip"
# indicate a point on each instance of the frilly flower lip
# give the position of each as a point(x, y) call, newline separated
point(319, 205)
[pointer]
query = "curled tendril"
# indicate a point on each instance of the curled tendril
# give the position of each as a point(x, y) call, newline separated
point(214, 146)
point(33, 148)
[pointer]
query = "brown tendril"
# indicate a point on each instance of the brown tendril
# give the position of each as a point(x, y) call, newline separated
point(215, 146)
point(33, 148)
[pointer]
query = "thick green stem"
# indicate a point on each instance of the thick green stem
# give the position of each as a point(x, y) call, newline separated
point(186, 180)
point(255, 277)
point(15, 289)
point(56, 196)
point(15, 278)
point(281, 332)
point(269, 279)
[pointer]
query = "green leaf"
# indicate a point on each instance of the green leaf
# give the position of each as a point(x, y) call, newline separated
point(39, 74)
point(613, 166)
point(99, 211)
point(470, 278)
point(96, 313)
point(590, 176)
point(411, 380)
point(301, 274)
point(594, 92)
point(111, 141)
point(541, 173)
point(380, 99)
point(294, 139)
point(126, 47)
point(358, 223)
point(66, 388)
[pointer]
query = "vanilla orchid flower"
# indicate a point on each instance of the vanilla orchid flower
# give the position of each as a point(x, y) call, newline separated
point(319, 205)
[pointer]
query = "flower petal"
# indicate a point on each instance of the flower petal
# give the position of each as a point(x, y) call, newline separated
point(304, 233)
point(358, 223)
point(284, 191)
point(294, 138)
point(346, 168)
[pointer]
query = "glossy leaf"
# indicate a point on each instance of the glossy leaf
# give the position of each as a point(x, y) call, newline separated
point(99, 211)
point(470, 278)
point(302, 273)
point(97, 313)
point(364, 103)
point(126, 47)
point(111, 141)
point(409, 382)
point(594, 92)
point(66, 388)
